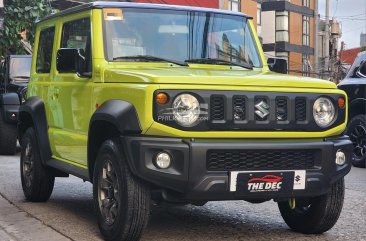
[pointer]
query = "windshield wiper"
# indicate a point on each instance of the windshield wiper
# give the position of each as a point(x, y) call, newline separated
point(151, 58)
point(219, 61)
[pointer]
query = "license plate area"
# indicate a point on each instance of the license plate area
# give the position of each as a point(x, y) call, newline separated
point(267, 182)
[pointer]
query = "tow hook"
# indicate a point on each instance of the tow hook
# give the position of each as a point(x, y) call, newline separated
point(292, 203)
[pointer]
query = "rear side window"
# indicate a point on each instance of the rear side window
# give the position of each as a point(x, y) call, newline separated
point(45, 49)
point(76, 35)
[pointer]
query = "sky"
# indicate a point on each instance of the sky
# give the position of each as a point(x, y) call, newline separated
point(352, 15)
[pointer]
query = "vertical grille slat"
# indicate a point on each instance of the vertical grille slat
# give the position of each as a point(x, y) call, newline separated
point(281, 108)
point(217, 108)
point(300, 109)
point(239, 108)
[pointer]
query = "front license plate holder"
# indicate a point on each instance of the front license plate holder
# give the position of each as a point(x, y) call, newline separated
point(267, 182)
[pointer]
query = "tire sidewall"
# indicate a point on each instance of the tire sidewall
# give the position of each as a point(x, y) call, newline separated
point(109, 151)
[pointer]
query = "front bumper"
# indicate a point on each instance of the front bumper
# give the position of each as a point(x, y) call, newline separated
point(189, 178)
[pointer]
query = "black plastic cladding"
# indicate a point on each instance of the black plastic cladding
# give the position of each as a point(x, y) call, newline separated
point(298, 118)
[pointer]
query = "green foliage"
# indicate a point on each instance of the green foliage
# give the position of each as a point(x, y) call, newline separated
point(20, 15)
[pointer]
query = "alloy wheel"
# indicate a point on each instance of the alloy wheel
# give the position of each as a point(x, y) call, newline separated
point(108, 193)
point(358, 138)
point(28, 165)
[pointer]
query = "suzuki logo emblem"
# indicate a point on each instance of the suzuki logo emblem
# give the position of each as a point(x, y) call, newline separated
point(262, 109)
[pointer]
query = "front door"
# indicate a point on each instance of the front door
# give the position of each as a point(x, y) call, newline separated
point(70, 95)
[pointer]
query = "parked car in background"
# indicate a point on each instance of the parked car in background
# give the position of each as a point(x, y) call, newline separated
point(355, 86)
point(14, 77)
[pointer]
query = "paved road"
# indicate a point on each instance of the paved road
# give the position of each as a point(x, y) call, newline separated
point(69, 215)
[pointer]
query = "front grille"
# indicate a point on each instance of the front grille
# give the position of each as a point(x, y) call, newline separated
point(250, 111)
point(241, 160)
point(217, 108)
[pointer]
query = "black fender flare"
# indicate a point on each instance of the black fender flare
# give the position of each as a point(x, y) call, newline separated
point(113, 115)
point(33, 114)
point(9, 105)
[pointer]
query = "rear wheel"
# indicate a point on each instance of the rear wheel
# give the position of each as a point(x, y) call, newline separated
point(8, 137)
point(356, 131)
point(121, 201)
point(37, 181)
point(315, 215)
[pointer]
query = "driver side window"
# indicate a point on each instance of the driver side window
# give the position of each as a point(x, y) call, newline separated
point(76, 34)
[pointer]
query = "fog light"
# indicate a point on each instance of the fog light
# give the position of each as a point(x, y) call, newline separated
point(162, 160)
point(340, 158)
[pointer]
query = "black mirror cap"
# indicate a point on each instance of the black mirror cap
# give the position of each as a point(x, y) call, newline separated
point(71, 60)
point(361, 72)
point(277, 65)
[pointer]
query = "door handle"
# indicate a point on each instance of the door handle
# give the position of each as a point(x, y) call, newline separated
point(55, 94)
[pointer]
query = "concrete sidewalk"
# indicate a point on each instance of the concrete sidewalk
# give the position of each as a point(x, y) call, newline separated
point(17, 225)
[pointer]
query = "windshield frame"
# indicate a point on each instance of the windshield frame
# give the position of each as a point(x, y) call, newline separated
point(246, 20)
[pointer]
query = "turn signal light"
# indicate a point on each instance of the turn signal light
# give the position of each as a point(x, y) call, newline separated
point(162, 98)
point(341, 102)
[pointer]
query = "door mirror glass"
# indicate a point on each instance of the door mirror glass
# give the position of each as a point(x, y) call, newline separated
point(72, 61)
point(361, 72)
point(277, 65)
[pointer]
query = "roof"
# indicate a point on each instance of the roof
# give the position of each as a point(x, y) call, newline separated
point(348, 56)
point(101, 5)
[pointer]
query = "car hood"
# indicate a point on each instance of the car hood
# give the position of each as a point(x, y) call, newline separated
point(218, 76)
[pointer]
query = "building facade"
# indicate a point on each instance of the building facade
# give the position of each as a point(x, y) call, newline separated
point(288, 31)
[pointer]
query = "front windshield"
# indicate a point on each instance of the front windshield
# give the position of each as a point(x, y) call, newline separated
point(178, 35)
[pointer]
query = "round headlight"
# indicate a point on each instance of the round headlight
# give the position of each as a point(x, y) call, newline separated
point(186, 110)
point(323, 112)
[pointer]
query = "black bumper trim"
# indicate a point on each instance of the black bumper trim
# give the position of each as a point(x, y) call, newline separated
point(188, 178)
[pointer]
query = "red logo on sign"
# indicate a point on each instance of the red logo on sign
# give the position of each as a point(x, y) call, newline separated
point(266, 178)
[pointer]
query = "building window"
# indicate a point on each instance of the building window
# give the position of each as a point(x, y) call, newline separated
point(234, 5)
point(282, 27)
point(305, 65)
point(306, 3)
point(306, 30)
point(259, 14)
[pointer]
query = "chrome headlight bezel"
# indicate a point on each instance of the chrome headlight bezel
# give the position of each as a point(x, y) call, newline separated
point(186, 110)
point(324, 112)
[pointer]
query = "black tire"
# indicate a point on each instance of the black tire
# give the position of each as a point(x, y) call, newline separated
point(315, 215)
point(8, 137)
point(356, 130)
point(123, 204)
point(37, 181)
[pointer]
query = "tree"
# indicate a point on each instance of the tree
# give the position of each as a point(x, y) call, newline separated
point(20, 16)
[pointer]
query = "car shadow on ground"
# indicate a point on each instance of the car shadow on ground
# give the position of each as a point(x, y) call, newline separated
point(214, 221)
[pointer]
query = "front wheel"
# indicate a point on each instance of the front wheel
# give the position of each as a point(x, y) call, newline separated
point(356, 131)
point(122, 202)
point(315, 215)
point(37, 180)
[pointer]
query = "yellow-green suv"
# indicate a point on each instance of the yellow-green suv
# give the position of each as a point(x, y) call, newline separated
point(177, 104)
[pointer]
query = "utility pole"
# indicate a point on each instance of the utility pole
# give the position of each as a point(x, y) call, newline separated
point(316, 54)
point(327, 34)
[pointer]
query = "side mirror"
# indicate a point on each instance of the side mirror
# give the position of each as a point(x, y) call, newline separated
point(277, 65)
point(72, 61)
point(361, 72)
